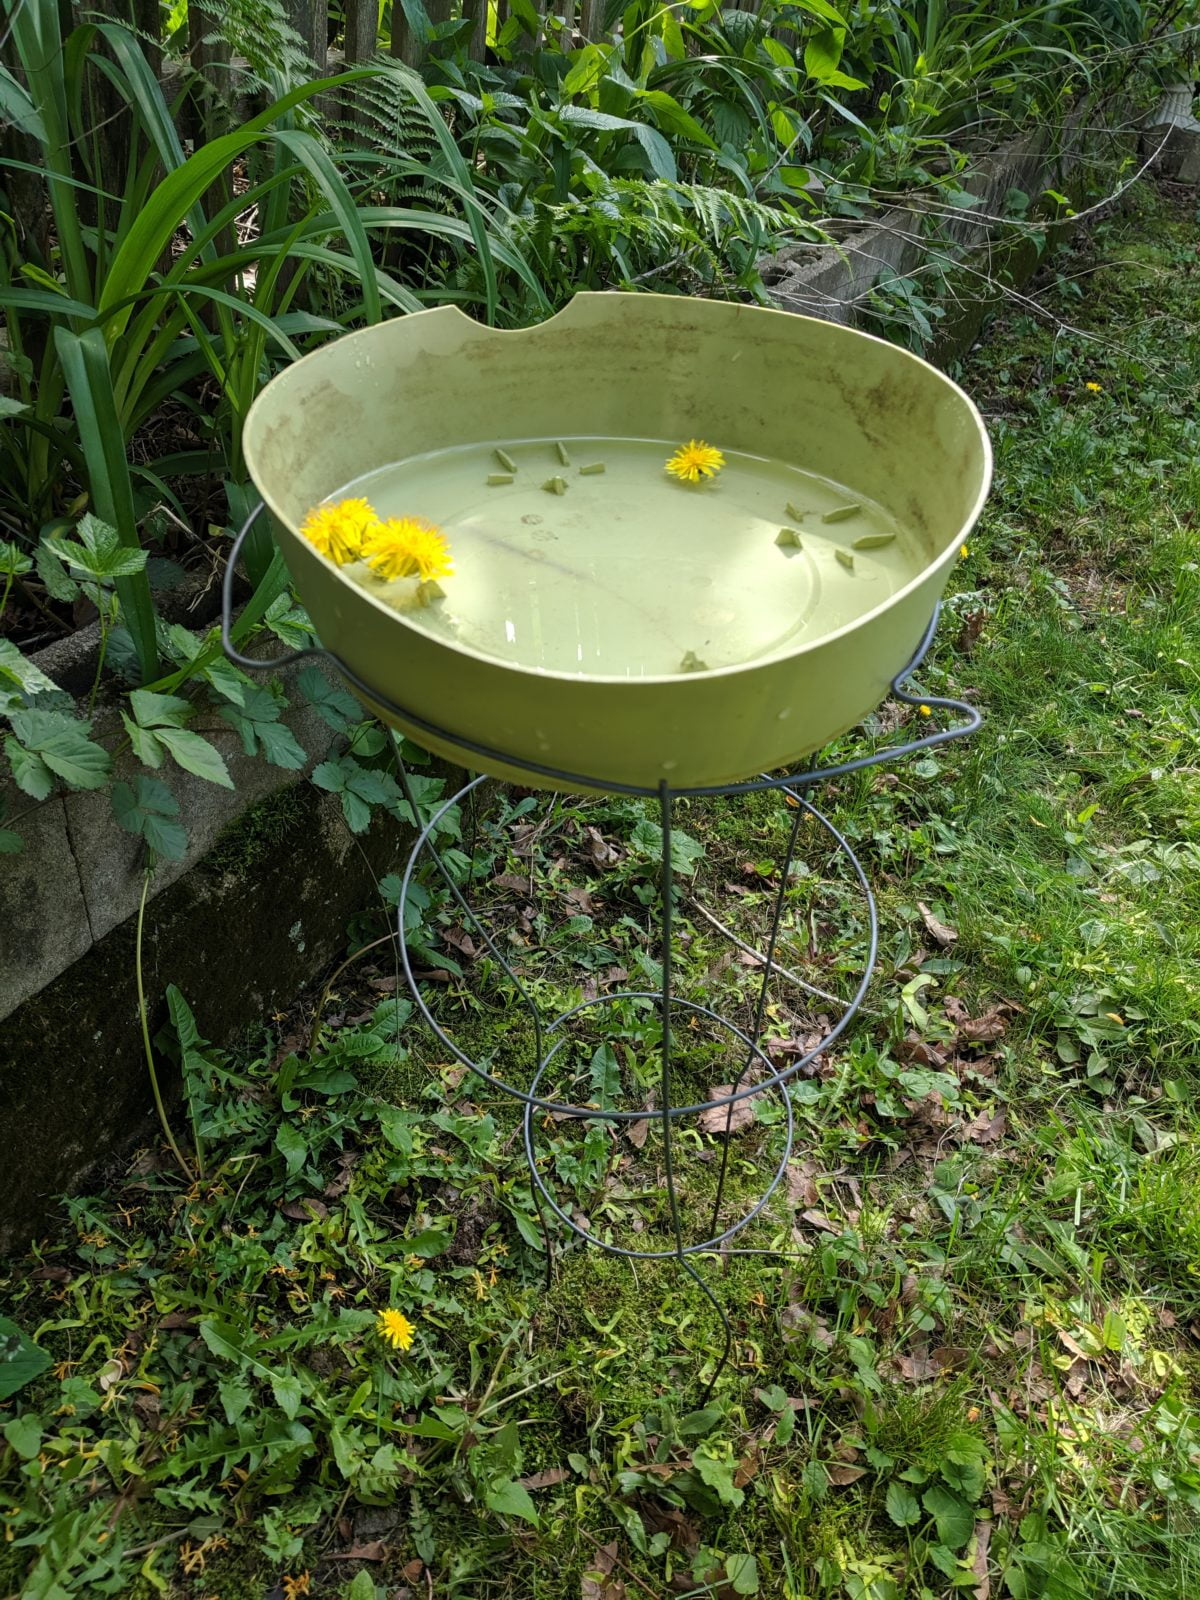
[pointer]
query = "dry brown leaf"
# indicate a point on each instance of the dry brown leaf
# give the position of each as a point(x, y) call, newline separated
point(512, 881)
point(375, 1550)
point(818, 1219)
point(720, 1120)
point(636, 1132)
point(307, 1210)
point(950, 1357)
point(941, 932)
point(546, 1479)
point(983, 1537)
point(917, 1368)
point(842, 1473)
point(800, 1178)
point(984, 1129)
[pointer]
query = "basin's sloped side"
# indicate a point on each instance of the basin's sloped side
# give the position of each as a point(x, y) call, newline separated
point(829, 399)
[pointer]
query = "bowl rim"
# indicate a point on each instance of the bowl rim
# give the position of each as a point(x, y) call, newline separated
point(575, 307)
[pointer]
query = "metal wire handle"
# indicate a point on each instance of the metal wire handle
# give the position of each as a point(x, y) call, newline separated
point(973, 719)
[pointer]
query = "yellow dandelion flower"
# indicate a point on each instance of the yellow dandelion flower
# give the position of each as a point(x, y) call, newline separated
point(926, 711)
point(1096, 388)
point(395, 1327)
point(406, 547)
point(340, 528)
point(695, 460)
point(964, 552)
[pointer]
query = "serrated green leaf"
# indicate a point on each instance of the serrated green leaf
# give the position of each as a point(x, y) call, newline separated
point(11, 844)
point(159, 710)
point(329, 775)
point(955, 1519)
point(195, 754)
point(280, 746)
point(143, 742)
point(902, 1505)
point(331, 703)
point(148, 809)
point(62, 743)
point(30, 771)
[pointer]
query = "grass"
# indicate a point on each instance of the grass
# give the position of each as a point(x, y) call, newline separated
point(972, 1369)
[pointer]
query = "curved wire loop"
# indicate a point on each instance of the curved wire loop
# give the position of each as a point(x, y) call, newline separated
point(758, 1075)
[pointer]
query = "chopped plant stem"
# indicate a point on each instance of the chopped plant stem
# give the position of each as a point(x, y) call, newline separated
point(555, 486)
point(874, 541)
point(563, 453)
point(592, 468)
point(841, 513)
point(505, 460)
point(495, 479)
point(846, 559)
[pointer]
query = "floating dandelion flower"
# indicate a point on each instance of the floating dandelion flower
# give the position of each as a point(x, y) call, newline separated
point(340, 528)
point(406, 547)
point(394, 1327)
point(694, 461)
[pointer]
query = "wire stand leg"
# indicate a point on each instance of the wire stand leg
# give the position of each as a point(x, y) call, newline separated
point(761, 1007)
point(681, 1254)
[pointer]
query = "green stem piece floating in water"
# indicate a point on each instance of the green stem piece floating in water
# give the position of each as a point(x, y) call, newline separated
point(692, 663)
point(505, 460)
point(788, 538)
point(555, 486)
point(562, 453)
point(592, 469)
point(845, 558)
point(842, 513)
point(873, 541)
point(497, 478)
point(796, 515)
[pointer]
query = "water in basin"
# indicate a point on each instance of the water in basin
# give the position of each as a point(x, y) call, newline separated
point(630, 573)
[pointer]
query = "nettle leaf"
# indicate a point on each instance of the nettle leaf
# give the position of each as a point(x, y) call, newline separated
point(149, 809)
point(256, 719)
point(30, 771)
point(159, 710)
point(195, 754)
point(62, 744)
point(97, 550)
point(511, 1500)
point(20, 1362)
point(59, 583)
point(13, 560)
point(955, 1519)
point(331, 703)
point(143, 742)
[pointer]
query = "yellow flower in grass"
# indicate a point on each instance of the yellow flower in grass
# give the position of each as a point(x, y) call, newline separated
point(395, 1328)
point(406, 547)
point(1096, 388)
point(695, 460)
point(339, 528)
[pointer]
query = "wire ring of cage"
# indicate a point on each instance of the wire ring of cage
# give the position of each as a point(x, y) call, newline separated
point(775, 1078)
point(656, 1114)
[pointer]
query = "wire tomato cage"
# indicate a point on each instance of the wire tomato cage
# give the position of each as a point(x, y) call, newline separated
point(655, 1073)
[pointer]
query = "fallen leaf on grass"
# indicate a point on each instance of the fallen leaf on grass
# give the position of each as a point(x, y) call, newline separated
point(818, 1219)
point(984, 1129)
point(950, 1357)
point(917, 1368)
point(511, 881)
point(800, 1178)
point(546, 1479)
point(309, 1209)
point(376, 1550)
point(941, 932)
point(726, 1119)
point(979, 1566)
point(842, 1473)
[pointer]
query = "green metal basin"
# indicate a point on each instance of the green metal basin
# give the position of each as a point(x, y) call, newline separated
point(632, 629)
